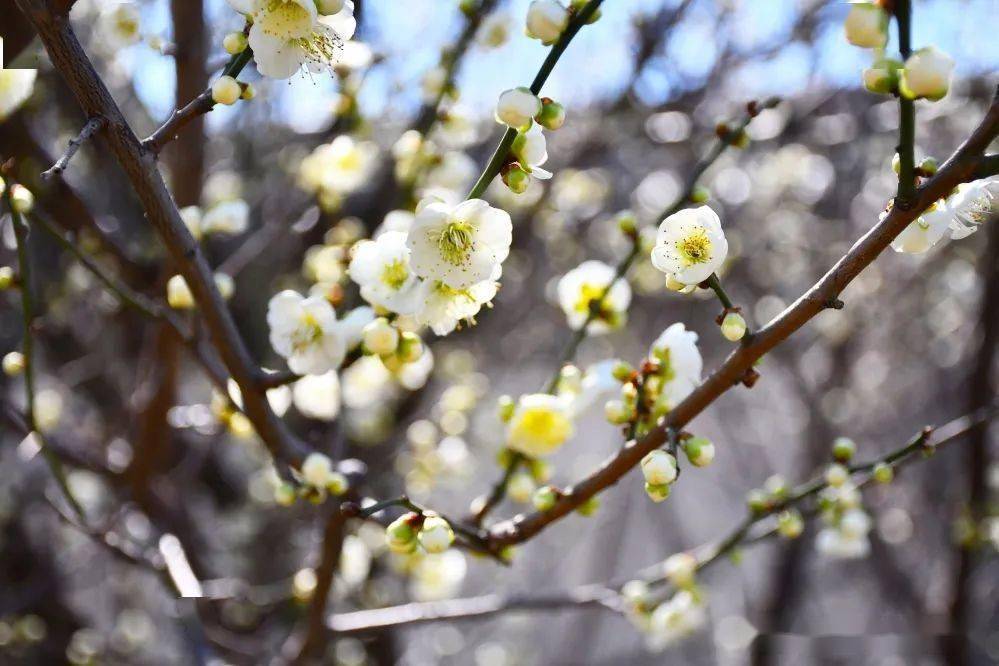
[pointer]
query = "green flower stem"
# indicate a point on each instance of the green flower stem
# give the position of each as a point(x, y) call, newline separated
point(714, 283)
point(499, 157)
point(907, 114)
point(28, 346)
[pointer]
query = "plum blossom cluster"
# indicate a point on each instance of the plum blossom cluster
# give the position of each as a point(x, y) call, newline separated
point(958, 215)
point(522, 110)
point(664, 622)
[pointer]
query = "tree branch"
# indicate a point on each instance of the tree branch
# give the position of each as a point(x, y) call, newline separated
point(93, 126)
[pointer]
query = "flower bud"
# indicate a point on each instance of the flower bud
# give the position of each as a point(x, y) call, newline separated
point(627, 224)
point(520, 487)
point(400, 534)
point(468, 7)
point(866, 25)
point(790, 524)
point(226, 90)
point(700, 194)
point(516, 178)
point(657, 493)
point(896, 163)
point(635, 592)
point(546, 20)
point(616, 412)
point(589, 507)
point(580, 5)
point(775, 486)
point(284, 494)
point(659, 468)
point(733, 327)
point(680, 569)
point(234, 42)
point(882, 76)
point(505, 407)
point(883, 473)
point(757, 501)
point(410, 347)
point(552, 115)
point(329, 7)
point(541, 470)
point(249, 92)
point(6, 278)
point(700, 451)
point(380, 337)
point(926, 74)
point(21, 199)
point(436, 534)
point(622, 371)
point(317, 469)
point(517, 107)
point(544, 498)
point(837, 475)
point(13, 364)
point(225, 284)
point(337, 484)
point(179, 295)
point(843, 449)
point(855, 523)
point(928, 166)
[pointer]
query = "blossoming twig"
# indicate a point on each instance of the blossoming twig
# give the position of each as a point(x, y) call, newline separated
point(959, 168)
point(93, 126)
point(502, 151)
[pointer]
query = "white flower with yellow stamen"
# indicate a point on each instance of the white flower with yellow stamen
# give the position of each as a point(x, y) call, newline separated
point(676, 348)
point(118, 25)
point(586, 283)
point(540, 425)
point(287, 34)
point(442, 307)
point(973, 205)
point(690, 245)
point(925, 231)
point(381, 268)
point(341, 166)
point(307, 333)
point(459, 246)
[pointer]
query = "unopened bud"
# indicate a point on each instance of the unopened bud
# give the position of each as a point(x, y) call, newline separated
point(700, 194)
point(622, 371)
point(21, 198)
point(589, 507)
point(700, 451)
point(928, 166)
point(544, 498)
point(837, 475)
point(552, 115)
point(843, 449)
point(436, 535)
point(13, 364)
point(520, 487)
point(284, 494)
point(658, 493)
point(6, 278)
point(410, 347)
point(883, 473)
point(516, 178)
point(757, 501)
point(790, 524)
point(659, 467)
point(401, 535)
point(234, 42)
point(733, 327)
point(226, 90)
point(505, 407)
point(380, 337)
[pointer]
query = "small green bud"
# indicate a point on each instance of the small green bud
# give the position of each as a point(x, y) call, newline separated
point(13, 364)
point(435, 535)
point(249, 92)
point(515, 178)
point(627, 224)
point(790, 524)
point(235, 42)
point(226, 90)
point(337, 484)
point(505, 407)
point(540, 469)
point(552, 114)
point(410, 347)
point(733, 327)
point(928, 166)
point(6, 278)
point(700, 194)
point(757, 501)
point(401, 535)
point(700, 451)
point(468, 7)
point(284, 494)
point(544, 498)
point(775, 486)
point(883, 473)
point(837, 475)
point(657, 493)
point(21, 198)
point(622, 371)
point(896, 163)
point(617, 412)
point(843, 449)
point(589, 507)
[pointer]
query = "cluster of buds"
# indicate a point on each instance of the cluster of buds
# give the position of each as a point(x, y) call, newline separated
point(520, 109)
point(847, 524)
point(227, 90)
point(317, 478)
point(425, 530)
point(770, 497)
point(396, 348)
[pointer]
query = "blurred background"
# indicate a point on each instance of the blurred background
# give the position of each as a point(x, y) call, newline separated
point(644, 88)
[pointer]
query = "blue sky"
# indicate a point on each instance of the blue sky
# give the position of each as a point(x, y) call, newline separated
point(598, 62)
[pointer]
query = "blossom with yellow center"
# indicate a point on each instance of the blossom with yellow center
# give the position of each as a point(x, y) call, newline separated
point(690, 245)
point(540, 425)
point(307, 333)
point(588, 282)
point(381, 267)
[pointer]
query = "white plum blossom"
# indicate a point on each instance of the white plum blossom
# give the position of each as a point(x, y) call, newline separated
point(675, 619)
point(676, 349)
point(438, 576)
point(306, 332)
point(925, 231)
point(442, 307)
point(382, 269)
point(227, 217)
point(341, 166)
point(395, 220)
point(494, 31)
point(531, 151)
point(690, 245)
point(517, 107)
point(839, 545)
point(459, 246)
point(287, 34)
point(546, 20)
point(118, 25)
point(973, 205)
point(455, 172)
point(318, 396)
point(866, 25)
point(587, 283)
point(926, 74)
point(540, 425)
point(15, 87)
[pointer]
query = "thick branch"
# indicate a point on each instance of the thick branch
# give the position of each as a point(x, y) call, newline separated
point(956, 170)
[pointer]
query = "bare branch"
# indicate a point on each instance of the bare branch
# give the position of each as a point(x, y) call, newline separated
point(93, 126)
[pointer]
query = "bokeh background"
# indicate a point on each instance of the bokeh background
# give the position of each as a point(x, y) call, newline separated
point(645, 87)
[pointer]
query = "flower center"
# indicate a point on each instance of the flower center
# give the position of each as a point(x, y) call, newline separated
point(542, 424)
point(308, 333)
point(455, 242)
point(285, 19)
point(695, 248)
point(588, 293)
point(395, 274)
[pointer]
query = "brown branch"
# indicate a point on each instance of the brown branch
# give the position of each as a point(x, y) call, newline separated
point(93, 126)
point(957, 169)
point(69, 58)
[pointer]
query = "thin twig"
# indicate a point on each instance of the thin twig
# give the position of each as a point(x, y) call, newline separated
point(93, 126)
point(907, 114)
